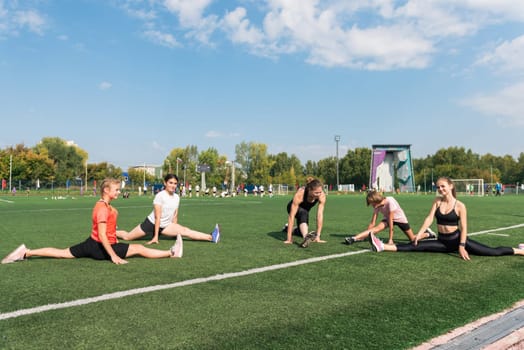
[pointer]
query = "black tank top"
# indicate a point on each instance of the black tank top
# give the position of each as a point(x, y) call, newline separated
point(305, 204)
point(449, 219)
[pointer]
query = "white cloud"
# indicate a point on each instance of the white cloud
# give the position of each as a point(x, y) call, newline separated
point(361, 34)
point(212, 134)
point(322, 33)
point(507, 105)
point(509, 9)
point(506, 57)
point(240, 29)
point(31, 19)
point(157, 146)
point(105, 85)
point(146, 15)
point(190, 12)
point(164, 39)
point(13, 20)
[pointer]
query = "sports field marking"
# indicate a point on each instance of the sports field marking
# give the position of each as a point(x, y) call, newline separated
point(496, 230)
point(5, 201)
point(122, 294)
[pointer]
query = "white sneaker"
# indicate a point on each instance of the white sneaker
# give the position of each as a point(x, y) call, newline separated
point(431, 234)
point(16, 255)
point(177, 250)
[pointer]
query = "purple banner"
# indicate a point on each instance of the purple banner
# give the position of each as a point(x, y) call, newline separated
point(378, 158)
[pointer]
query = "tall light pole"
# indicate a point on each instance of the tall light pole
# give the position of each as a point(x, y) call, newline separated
point(178, 160)
point(232, 182)
point(337, 139)
point(86, 177)
point(144, 175)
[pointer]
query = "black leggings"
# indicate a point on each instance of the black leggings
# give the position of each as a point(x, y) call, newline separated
point(448, 243)
point(302, 214)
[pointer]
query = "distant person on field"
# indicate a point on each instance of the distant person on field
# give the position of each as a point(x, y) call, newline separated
point(452, 224)
point(393, 215)
point(498, 189)
point(298, 209)
point(103, 243)
point(164, 218)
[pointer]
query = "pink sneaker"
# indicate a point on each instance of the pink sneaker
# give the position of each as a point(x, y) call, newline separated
point(521, 246)
point(376, 244)
point(177, 250)
point(16, 255)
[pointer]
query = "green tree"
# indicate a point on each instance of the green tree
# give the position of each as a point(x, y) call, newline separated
point(187, 160)
point(100, 171)
point(216, 163)
point(254, 162)
point(26, 167)
point(137, 176)
point(354, 167)
point(69, 160)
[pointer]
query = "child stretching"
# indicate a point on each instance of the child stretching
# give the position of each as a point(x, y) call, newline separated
point(392, 215)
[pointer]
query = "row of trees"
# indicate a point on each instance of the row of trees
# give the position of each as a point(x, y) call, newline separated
point(55, 162)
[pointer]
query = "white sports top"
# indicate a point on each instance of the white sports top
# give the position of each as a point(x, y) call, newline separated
point(169, 204)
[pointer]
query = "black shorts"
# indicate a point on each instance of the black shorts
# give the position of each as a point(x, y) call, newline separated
point(403, 226)
point(93, 249)
point(302, 215)
point(149, 228)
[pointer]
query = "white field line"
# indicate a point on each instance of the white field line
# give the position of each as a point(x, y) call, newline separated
point(130, 292)
point(122, 294)
point(496, 230)
point(6, 201)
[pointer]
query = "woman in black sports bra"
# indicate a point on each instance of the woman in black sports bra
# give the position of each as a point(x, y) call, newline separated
point(298, 208)
point(451, 216)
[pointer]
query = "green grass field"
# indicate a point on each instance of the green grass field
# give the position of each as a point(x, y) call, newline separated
point(355, 301)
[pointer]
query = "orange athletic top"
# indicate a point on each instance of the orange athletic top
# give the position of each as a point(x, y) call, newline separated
point(104, 212)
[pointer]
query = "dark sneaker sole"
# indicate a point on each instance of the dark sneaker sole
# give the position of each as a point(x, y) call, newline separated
point(308, 239)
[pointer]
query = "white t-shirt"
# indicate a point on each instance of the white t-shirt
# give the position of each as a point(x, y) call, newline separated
point(169, 204)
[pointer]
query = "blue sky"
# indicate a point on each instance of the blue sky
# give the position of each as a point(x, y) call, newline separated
point(130, 80)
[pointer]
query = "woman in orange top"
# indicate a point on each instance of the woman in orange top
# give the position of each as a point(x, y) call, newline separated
point(103, 243)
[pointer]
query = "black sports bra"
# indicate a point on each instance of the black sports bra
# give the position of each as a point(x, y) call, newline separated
point(305, 204)
point(449, 219)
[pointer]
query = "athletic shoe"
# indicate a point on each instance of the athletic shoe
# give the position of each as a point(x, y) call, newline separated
point(177, 250)
point(376, 244)
point(431, 234)
point(350, 240)
point(216, 234)
point(521, 246)
point(295, 232)
point(310, 237)
point(16, 255)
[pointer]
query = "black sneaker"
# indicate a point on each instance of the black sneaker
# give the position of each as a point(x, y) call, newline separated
point(284, 229)
point(350, 240)
point(310, 237)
